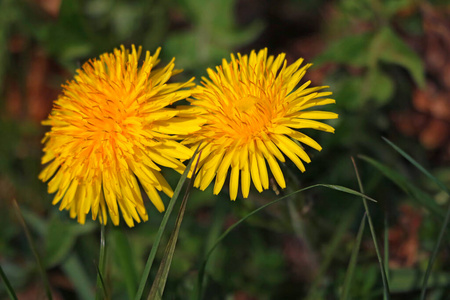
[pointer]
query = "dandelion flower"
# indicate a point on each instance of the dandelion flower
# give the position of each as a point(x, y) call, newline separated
point(253, 111)
point(111, 130)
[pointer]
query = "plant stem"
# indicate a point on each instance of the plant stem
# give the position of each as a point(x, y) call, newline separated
point(101, 265)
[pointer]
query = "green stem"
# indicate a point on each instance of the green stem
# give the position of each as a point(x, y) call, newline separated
point(101, 287)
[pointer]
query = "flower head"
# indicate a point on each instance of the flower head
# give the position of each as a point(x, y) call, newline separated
point(253, 111)
point(111, 130)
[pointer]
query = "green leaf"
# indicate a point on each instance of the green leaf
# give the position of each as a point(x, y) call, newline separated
point(352, 50)
point(388, 47)
point(161, 229)
point(347, 190)
point(60, 238)
point(74, 270)
point(183, 46)
point(123, 254)
point(8, 286)
point(59, 242)
point(159, 283)
point(381, 85)
point(348, 92)
point(38, 224)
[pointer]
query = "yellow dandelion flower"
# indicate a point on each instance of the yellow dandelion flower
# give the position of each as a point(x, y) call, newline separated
point(111, 130)
point(253, 114)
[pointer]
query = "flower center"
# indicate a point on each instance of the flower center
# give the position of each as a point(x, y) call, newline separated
point(247, 104)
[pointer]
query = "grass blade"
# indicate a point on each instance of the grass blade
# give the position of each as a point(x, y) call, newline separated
point(34, 250)
point(158, 285)
point(202, 268)
point(8, 286)
point(415, 193)
point(386, 245)
point(161, 229)
point(386, 292)
point(434, 255)
point(123, 254)
point(353, 259)
point(101, 266)
point(418, 166)
point(446, 220)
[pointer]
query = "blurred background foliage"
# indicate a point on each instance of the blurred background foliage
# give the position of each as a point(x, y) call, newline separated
point(388, 65)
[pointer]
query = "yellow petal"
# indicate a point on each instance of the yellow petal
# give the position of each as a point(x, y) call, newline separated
point(276, 171)
point(262, 170)
point(254, 170)
point(245, 181)
point(234, 182)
